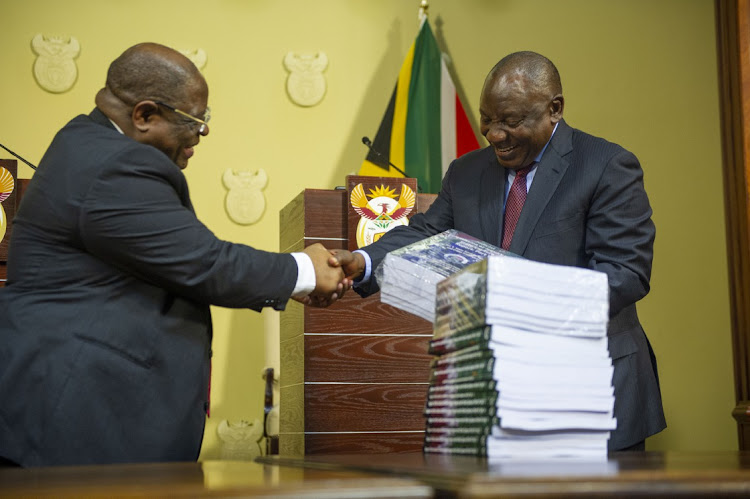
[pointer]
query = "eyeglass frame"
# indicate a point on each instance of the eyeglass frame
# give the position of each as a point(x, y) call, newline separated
point(203, 122)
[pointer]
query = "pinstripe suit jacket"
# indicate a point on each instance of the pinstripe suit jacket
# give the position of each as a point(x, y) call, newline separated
point(105, 329)
point(586, 207)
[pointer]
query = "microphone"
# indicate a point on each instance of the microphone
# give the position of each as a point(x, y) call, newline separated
point(19, 157)
point(366, 141)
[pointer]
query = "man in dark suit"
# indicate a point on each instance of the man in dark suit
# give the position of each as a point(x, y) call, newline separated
point(105, 328)
point(585, 206)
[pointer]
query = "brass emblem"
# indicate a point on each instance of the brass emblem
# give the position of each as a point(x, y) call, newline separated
point(7, 184)
point(380, 211)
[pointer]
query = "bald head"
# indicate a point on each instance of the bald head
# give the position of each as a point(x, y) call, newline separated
point(537, 73)
point(152, 71)
point(157, 96)
point(520, 105)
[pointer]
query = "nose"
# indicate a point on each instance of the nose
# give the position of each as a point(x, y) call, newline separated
point(203, 130)
point(495, 134)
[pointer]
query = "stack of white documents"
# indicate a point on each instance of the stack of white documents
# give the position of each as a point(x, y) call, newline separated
point(540, 331)
point(407, 276)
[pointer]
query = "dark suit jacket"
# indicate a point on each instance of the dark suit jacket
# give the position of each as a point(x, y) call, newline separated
point(105, 329)
point(586, 208)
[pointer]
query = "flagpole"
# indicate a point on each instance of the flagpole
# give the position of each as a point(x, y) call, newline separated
point(423, 6)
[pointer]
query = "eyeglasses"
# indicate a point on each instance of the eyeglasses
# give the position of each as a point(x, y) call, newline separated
point(202, 122)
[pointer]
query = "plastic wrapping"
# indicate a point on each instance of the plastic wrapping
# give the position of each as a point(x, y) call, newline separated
point(408, 276)
point(519, 293)
point(523, 367)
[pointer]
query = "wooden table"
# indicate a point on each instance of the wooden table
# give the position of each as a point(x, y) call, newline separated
point(644, 474)
point(207, 479)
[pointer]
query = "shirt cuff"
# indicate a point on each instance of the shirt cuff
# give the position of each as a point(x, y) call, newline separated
point(368, 268)
point(305, 275)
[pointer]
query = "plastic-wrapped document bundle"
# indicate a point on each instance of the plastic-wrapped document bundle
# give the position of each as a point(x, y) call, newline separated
point(408, 276)
point(522, 366)
point(521, 293)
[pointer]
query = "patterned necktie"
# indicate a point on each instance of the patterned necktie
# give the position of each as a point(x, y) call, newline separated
point(516, 198)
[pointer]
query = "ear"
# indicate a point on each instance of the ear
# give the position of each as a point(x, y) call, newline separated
point(144, 114)
point(556, 108)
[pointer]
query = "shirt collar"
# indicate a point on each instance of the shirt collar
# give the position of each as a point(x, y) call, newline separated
point(539, 157)
point(120, 129)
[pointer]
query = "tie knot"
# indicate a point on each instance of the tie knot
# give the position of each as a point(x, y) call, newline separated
point(522, 172)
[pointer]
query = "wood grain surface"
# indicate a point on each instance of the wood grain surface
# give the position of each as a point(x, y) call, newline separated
point(357, 367)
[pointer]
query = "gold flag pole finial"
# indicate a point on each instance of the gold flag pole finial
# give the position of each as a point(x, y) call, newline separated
point(423, 6)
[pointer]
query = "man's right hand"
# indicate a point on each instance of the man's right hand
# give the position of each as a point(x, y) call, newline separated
point(353, 264)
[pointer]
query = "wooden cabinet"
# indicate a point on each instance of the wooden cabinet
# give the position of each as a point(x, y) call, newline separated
point(353, 376)
point(733, 43)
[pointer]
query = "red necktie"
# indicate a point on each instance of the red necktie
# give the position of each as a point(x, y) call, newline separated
point(516, 198)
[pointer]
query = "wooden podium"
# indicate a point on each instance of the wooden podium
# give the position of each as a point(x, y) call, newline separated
point(353, 376)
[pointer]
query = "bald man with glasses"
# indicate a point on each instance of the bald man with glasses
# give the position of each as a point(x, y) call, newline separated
point(105, 326)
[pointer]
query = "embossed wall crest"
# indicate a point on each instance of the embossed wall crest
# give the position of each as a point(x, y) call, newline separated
point(245, 202)
point(306, 85)
point(54, 68)
point(197, 56)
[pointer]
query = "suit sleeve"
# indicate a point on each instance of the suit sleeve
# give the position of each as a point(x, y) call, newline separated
point(135, 218)
point(438, 218)
point(620, 233)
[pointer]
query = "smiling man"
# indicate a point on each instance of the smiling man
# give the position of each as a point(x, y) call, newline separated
point(105, 325)
point(139, 85)
point(553, 194)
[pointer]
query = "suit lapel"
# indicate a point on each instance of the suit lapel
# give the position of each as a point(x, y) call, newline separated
point(491, 198)
point(549, 172)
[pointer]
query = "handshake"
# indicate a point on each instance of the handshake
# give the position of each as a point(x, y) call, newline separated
point(335, 271)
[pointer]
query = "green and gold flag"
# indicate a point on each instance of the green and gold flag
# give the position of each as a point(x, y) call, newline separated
point(425, 126)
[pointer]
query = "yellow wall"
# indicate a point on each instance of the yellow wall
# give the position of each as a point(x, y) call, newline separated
point(638, 72)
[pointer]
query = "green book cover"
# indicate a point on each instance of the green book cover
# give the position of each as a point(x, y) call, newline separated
point(467, 387)
point(486, 399)
point(481, 369)
point(461, 340)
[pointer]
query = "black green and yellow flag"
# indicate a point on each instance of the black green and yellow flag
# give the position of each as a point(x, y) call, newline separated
point(425, 126)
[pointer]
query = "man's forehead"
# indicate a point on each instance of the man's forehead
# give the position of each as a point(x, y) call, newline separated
point(506, 91)
point(509, 81)
point(196, 95)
